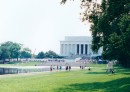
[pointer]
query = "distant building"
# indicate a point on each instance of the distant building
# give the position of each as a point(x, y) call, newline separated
point(77, 46)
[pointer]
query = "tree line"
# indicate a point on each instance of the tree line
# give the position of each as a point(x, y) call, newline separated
point(12, 50)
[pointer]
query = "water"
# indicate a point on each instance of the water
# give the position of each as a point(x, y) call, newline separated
point(21, 70)
point(40, 68)
point(8, 71)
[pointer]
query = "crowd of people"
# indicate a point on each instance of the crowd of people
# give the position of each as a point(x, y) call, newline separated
point(60, 67)
point(55, 67)
point(82, 64)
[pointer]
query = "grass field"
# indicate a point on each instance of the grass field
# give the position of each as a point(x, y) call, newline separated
point(96, 80)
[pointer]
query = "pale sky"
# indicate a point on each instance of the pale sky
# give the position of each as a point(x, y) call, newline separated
point(40, 24)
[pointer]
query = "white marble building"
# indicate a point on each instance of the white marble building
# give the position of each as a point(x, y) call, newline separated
point(77, 46)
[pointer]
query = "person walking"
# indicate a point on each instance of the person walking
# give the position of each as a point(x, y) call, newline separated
point(66, 67)
point(80, 66)
point(69, 67)
point(57, 67)
point(51, 68)
point(110, 67)
point(60, 67)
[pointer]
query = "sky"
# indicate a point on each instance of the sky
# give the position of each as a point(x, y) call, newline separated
point(40, 24)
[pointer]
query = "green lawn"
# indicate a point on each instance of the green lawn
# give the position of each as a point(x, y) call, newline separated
point(96, 80)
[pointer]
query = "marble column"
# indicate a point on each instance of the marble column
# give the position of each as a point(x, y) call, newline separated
point(84, 49)
point(61, 49)
point(65, 49)
point(75, 49)
point(79, 49)
point(88, 49)
point(71, 49)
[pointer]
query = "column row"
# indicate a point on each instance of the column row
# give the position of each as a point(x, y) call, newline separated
point(82, 49)
point(75, 49)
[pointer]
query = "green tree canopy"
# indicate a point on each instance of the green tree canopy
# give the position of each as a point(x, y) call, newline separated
point(51, 54)
point(26, 53)
point(9, 50)
point(41, 55)
point(110, 27)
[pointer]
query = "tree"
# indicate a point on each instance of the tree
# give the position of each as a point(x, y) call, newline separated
point(9, 50)
point(51, 54)
point(15, 50)
point(4, 52)
point(111, 30)
point(110, 27)
point(40, 55)
point(26, 53)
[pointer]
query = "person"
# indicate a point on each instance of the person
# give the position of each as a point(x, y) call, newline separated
point(57, 67)
point(60, 67)
point(66, 67)
point(51, 68)
point(80, 66)
point(110, 67)
point(69, 67)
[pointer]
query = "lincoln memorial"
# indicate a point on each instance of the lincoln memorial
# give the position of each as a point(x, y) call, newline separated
point(77, 46)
